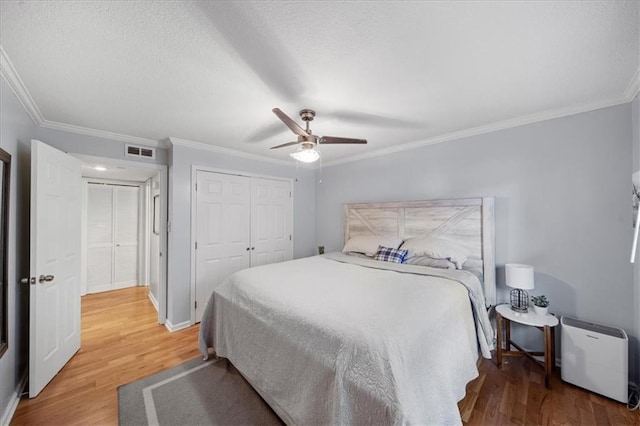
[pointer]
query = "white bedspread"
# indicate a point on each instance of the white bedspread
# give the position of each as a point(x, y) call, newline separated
point(326, 341)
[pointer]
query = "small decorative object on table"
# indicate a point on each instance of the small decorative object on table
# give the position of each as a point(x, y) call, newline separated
point(540, 304)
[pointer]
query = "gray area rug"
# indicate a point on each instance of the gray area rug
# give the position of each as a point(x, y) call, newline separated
point(194, 393)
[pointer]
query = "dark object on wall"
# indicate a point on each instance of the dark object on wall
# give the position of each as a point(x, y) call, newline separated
point(5, 174)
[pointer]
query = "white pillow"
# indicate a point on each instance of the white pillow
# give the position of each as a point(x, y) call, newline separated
point(430, 262)
point(368, 244)
point(435, 248)
point(359, 255)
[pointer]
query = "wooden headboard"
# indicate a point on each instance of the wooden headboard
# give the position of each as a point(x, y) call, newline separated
point(469, 222)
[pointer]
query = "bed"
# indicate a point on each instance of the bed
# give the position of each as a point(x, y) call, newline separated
point(340, 339)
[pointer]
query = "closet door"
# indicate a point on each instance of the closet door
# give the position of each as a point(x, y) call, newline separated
point(125, 251)
point(271, 221)
point(222, 231)
point(99, 238)
point(112, 237)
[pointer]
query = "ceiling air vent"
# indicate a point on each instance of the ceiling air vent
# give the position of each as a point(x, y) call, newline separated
point(140, 151)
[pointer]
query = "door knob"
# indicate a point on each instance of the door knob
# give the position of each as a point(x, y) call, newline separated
point(45, 278)
point(28, 280)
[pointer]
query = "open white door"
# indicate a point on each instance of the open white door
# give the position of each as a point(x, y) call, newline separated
point(54, 329)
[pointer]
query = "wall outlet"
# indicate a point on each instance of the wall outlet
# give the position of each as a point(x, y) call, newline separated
point(320, 249)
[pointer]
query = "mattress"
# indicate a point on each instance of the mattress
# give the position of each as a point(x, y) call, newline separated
point(337, 340)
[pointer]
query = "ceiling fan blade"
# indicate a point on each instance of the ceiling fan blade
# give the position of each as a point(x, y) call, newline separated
point(285, 144)
point(333, 139)
point(290, 123)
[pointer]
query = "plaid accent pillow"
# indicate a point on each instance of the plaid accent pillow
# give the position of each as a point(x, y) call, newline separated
point(388, 254)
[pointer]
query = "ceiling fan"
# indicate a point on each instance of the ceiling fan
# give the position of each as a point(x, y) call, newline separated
point(307, 151)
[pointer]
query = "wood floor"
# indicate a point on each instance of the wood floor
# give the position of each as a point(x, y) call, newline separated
point(122, 342)
point(515, 394)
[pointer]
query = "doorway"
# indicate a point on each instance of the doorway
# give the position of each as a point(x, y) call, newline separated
point(124, 228)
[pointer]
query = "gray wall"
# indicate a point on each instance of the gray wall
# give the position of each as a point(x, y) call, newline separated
point(181, 159)
point(16, 130)
point(562, 191)
point(635, 131)
point(92, 145)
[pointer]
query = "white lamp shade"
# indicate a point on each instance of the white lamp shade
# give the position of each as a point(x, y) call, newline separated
point(519, 276)
point(306, 155)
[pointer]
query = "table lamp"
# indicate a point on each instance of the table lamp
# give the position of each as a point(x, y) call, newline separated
point(519, 278)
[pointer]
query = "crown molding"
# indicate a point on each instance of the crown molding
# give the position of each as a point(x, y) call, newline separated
point(10, 75)
point(101, 134)
point(236, 153)
point(493, 127)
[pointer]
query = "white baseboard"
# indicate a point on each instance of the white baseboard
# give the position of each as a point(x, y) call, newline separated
point(176, 327)
point(154, 302)
point(10, 409)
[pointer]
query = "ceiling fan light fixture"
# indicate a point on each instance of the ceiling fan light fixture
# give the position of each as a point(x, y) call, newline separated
point(307, 152)
point(306, 155)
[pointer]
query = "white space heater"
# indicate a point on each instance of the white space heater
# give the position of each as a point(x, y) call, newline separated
point(595, 357)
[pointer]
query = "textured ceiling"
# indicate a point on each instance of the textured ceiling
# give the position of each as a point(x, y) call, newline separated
point(391, 72)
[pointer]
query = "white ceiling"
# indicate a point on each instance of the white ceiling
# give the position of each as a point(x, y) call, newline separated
point(116, 172)
point(112, 169)
point(395, 73)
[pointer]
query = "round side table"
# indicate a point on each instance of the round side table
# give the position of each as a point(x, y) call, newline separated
point(544, 323)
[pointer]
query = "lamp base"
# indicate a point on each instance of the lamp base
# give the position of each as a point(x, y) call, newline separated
point(519, 300)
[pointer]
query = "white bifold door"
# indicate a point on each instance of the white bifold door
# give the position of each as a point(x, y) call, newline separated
point(240, 222)
point(271, 222)
point(112, 237)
